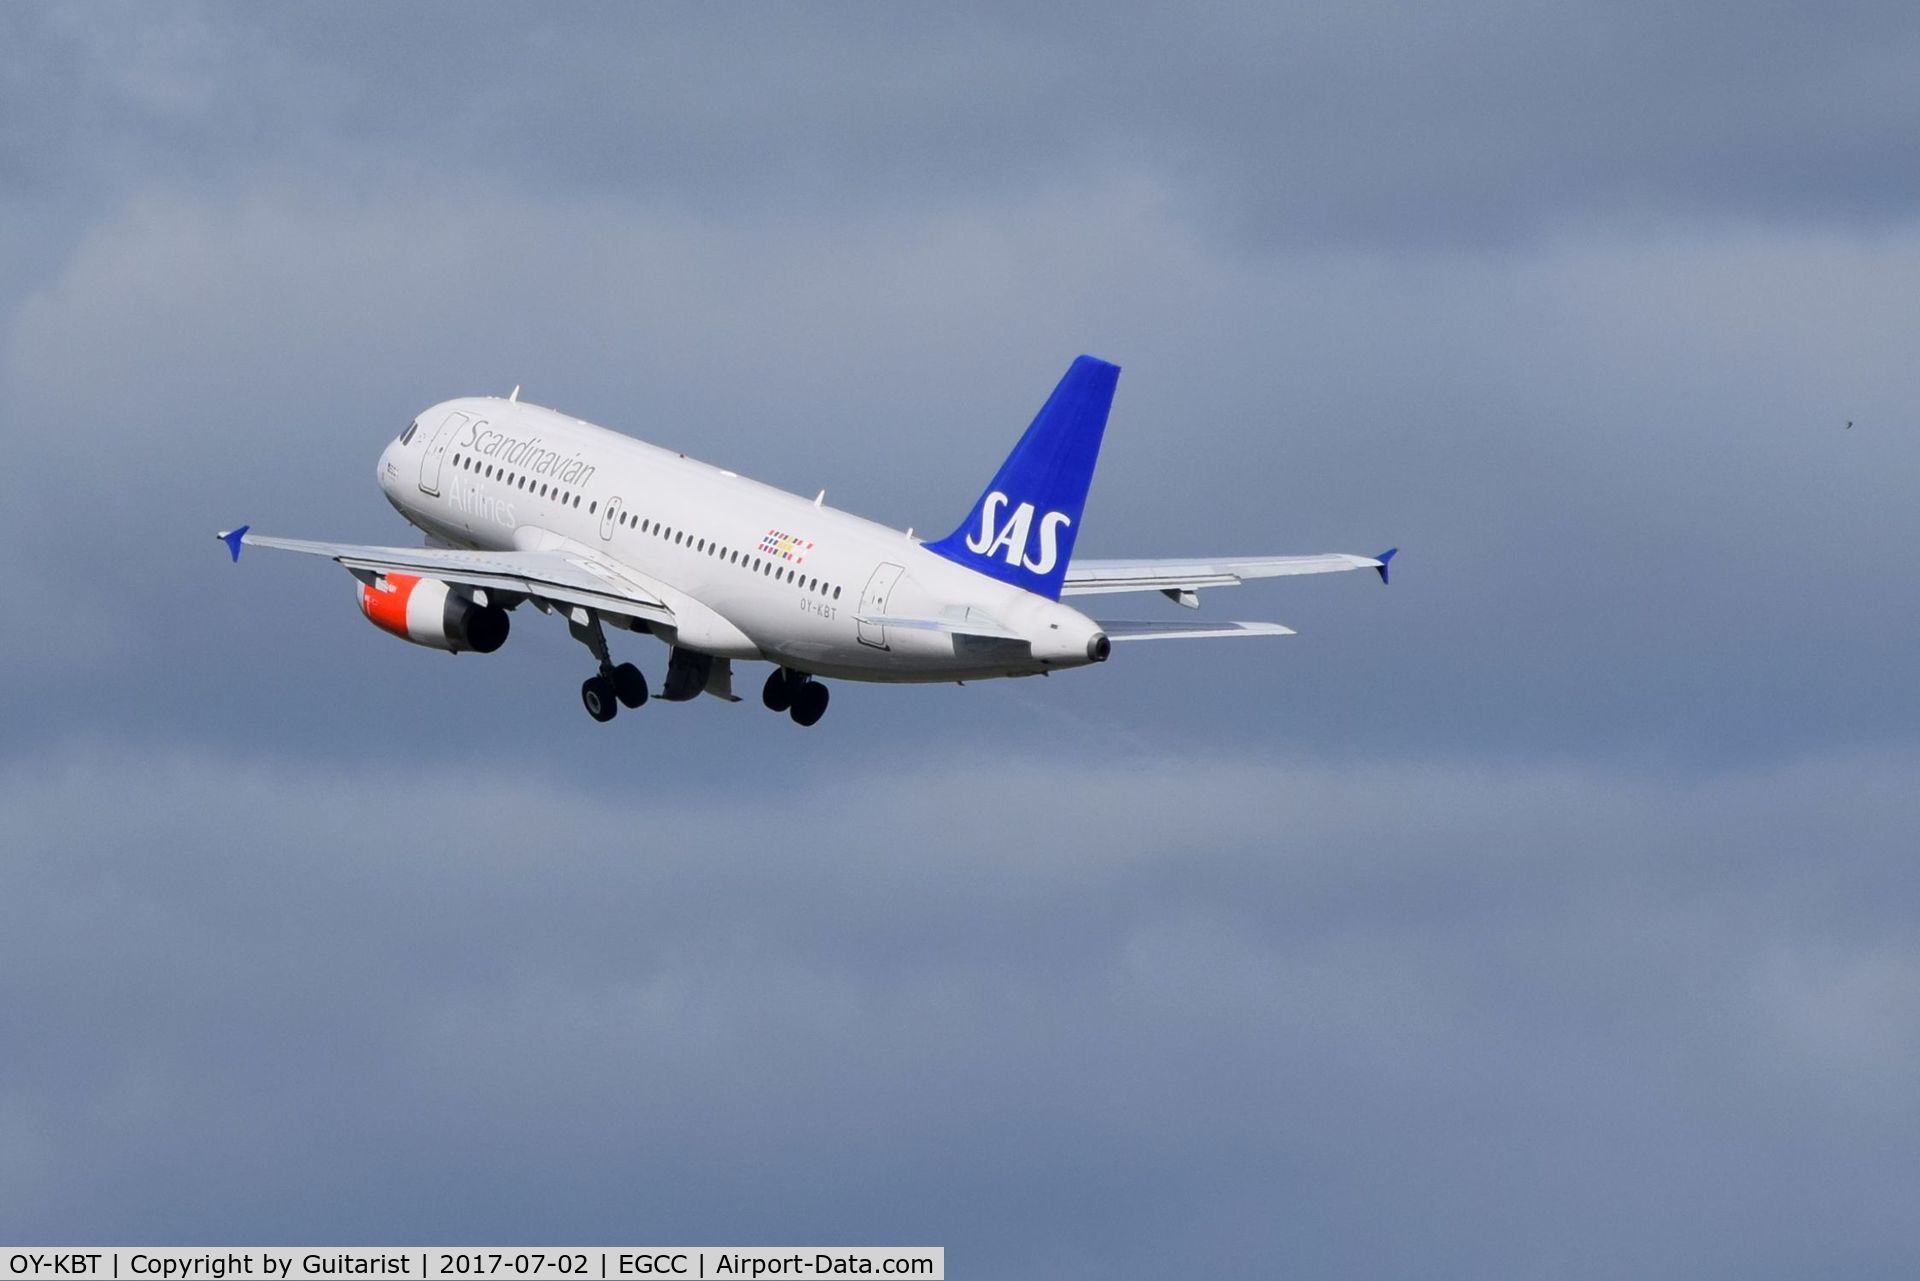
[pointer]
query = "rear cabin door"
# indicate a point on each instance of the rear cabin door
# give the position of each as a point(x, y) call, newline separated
point(874, 601)
point(436, 455)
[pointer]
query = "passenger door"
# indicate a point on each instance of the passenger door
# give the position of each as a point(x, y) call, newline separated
point(436, 455)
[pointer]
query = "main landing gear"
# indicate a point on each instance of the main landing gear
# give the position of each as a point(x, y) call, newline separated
point(604, 694)
point(797, 694)
point(614, 687)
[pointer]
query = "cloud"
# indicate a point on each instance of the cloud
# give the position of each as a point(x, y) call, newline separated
point(1280, 125)
point(1615, 468)
point(830, 1008)
point(1546, 912)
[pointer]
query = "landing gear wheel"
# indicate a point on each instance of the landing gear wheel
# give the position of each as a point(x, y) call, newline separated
point(598, 696)
point(809, 703)
point(629, 686)
point(778, 694)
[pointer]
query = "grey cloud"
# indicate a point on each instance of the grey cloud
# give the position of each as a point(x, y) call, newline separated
point(1544, 913)
point(1273, 1001)
point(1611, 465)
point(1292, 126)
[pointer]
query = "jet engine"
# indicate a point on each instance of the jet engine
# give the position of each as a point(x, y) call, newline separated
point(426, 612)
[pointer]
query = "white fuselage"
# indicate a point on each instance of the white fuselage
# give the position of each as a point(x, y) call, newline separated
point(749, 571)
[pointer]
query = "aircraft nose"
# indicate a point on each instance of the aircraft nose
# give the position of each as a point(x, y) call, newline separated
point(385, 470)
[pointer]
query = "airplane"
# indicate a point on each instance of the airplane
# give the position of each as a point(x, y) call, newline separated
point(522, 505)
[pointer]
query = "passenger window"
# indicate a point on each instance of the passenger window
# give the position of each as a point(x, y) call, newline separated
point(836, 593)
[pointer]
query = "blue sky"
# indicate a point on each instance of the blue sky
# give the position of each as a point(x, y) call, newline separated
point(1548, 912)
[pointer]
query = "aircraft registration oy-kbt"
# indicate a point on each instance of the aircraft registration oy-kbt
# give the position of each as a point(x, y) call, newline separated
point(524, 506)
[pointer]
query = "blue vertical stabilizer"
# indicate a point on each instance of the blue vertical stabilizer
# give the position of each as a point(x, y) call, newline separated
point(1022, 529)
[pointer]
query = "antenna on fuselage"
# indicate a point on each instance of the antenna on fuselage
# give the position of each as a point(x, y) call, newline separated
point(514, 399)
point(819, 498)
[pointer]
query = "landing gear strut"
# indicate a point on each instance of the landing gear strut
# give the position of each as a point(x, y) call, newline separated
point(795, 693)
point(605, 693)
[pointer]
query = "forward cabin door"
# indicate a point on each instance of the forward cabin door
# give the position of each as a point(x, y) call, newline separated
point(874, 601)
point(436, 455)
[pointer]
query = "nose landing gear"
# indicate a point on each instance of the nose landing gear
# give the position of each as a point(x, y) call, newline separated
point(795, 693)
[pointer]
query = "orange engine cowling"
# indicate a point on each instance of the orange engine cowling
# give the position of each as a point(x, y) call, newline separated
point(426, 612)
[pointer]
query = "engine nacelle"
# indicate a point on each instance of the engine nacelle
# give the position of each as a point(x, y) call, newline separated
point(426, 612)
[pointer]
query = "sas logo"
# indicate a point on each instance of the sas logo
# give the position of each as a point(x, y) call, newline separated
point(1009, 540)
point(780, 545)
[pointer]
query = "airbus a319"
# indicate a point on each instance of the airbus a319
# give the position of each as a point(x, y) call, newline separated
point(523, 506)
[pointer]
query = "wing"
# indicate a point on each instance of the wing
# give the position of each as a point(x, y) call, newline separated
point(563, 578)
point(1184, 577)
point(1128, 631)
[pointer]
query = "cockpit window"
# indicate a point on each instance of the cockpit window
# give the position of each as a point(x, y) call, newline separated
point(407, 435)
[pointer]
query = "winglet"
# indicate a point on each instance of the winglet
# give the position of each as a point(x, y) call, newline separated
point(233, 538)
point(1383, 558)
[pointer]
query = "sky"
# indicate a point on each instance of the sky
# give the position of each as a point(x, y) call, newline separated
point(1549, 912)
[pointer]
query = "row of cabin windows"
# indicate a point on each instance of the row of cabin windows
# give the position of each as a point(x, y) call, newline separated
point(732, 556)
point(519, 480)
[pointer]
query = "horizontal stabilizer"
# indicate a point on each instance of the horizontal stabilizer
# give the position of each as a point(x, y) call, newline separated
point(973, 626)
point(1126, 631)
point(1088, 577)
